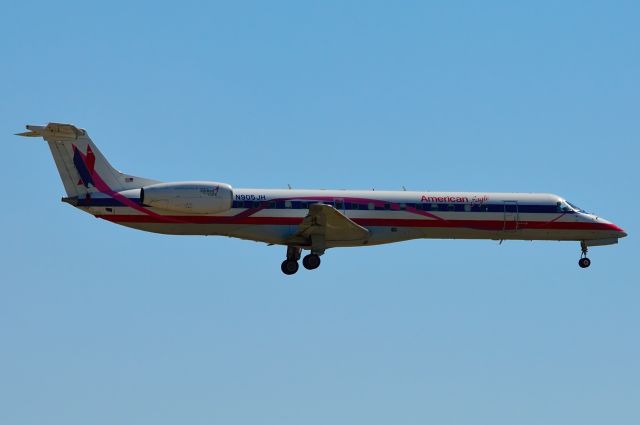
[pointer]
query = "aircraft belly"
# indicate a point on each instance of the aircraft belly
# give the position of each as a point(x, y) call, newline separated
point(268, 234)
point(278, 234)
point(383, 235)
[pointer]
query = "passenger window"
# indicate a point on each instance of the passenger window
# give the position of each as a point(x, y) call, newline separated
point(287, 204)
point(272, 204)
point(387, 206)
point(248, 204)
point(403, 206)
point(467, 207)
point(451, 207)
point(371, 206)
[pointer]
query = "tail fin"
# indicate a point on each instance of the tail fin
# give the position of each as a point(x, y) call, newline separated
point(82, 167)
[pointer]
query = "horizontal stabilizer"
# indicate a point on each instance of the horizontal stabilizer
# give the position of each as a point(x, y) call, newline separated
point(55, 131)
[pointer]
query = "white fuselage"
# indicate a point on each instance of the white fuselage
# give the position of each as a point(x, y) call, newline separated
point(273, 216)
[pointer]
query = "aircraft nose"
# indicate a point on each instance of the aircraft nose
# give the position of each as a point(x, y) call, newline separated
point(615, 231)
point(620, 233)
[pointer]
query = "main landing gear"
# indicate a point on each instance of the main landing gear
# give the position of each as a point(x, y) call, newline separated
point(584, 262)
point(311, 261)
point(290, 265)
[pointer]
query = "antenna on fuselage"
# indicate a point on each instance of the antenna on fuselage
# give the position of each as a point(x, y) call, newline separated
point(289, 186)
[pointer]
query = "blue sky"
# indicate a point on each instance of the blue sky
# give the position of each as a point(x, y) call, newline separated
point(102, 324)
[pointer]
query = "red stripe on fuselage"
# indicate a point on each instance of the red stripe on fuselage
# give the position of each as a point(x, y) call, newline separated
point(366, 222)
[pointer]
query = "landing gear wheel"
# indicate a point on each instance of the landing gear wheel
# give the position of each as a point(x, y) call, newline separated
point(584, 262)
point(289, 267)
point(311, 261)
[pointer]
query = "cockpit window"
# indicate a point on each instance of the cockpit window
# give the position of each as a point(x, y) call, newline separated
point(575, 207)
point(567, 207)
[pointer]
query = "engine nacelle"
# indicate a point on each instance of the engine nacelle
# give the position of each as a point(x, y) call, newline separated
point(188, 197)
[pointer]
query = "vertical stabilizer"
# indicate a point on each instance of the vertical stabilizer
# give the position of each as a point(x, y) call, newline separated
point(82, 167)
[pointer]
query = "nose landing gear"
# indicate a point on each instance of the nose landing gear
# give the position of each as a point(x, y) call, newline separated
point(584, 262)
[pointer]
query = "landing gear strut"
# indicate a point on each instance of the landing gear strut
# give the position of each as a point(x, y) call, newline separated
point(584, 262)
point(290, 265)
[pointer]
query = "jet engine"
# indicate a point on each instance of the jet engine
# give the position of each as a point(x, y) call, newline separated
point(197, 197)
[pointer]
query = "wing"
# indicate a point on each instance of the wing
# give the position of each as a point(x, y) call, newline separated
point(328, 223)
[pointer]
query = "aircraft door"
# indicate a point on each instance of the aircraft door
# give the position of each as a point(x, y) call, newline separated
point(511, 216)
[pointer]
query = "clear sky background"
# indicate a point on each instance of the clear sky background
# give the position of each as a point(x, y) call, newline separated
point(101, 324)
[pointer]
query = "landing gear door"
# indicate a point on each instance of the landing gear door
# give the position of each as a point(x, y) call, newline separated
point(511, 216)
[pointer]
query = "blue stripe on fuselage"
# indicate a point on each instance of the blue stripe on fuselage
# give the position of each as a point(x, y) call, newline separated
point(495, 208)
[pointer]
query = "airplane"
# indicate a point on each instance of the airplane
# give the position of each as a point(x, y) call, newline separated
point(310, 220)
